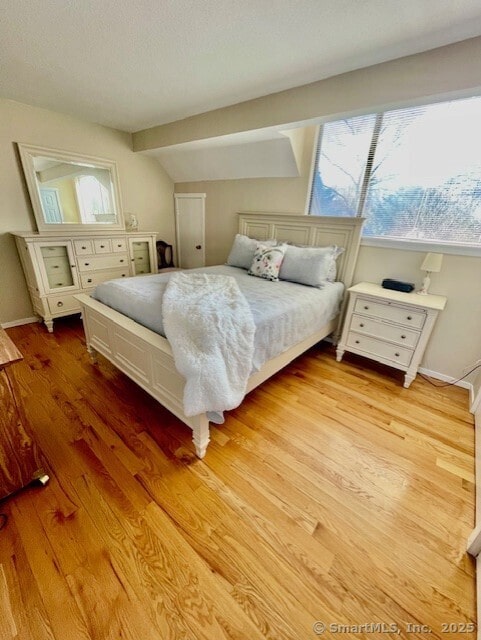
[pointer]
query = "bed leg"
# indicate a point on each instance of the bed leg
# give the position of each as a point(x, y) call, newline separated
point(201, 435)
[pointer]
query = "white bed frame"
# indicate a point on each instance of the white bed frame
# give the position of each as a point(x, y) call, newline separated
point(146, 357)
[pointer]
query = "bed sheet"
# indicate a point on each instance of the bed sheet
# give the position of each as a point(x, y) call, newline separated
point(284, 313)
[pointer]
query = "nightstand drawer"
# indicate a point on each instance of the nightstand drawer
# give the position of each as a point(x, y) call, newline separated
point(372, 346)
point(380, 329)
point(390, 311)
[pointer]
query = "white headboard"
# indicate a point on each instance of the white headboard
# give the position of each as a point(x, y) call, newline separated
point(312, 231)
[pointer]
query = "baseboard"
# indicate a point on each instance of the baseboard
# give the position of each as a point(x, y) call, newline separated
point(441, 376)
point(17, 323)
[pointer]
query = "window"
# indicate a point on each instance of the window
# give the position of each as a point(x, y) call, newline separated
point(414, 174)
point(93, 198)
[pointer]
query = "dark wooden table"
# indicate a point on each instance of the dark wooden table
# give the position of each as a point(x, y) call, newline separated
point(20, 463)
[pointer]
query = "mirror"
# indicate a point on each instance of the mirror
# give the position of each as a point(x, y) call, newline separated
point(70, 192)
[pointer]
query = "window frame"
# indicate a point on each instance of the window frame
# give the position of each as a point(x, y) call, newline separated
point(404, 244)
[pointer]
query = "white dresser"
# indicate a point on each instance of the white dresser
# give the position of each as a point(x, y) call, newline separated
point(388, 326)
point(59, 267)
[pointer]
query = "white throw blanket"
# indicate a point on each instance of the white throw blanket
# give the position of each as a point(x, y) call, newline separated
point(210, 328)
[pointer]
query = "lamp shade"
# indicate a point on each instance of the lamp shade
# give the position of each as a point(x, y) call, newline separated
point(432, 262)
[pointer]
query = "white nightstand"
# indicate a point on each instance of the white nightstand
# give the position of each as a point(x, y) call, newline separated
point(389, 326)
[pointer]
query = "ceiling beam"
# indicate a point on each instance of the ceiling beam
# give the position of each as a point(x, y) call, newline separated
point(442, 73)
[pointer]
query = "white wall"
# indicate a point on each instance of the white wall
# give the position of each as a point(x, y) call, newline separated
point(145, 187)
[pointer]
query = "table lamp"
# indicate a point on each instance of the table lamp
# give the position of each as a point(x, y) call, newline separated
point(431, 264)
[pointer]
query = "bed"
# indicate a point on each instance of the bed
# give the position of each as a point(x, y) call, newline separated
point(146, 356)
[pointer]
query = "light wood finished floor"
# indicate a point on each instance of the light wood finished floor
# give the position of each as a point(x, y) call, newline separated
point(333, 495)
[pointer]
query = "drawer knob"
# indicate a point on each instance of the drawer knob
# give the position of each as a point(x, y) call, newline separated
point(410, 317)
point(59, 303)
point(403, 337)
point(102, 246)
point(397, 355)
point(59, 284)
point(89, 280)
point(122, 260)
point(86, 264)
point(362, 324)
point(55, 266)
point(84, 247)
point(366, 307)
point(119, 246)
point(123, 275)
point(357, 341)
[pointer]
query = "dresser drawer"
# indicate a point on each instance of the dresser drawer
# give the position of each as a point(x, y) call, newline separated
point(93, 279)
point(374, 347)
point(83, 247)
point(57, 264)
point(379, 329)
point(54, 251)
point(103, 262)
point(119, 245)
point(390, 311)
point(103, 245)
point(60, 304)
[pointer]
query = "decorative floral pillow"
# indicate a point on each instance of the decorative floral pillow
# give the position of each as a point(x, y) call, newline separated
point(267, 261)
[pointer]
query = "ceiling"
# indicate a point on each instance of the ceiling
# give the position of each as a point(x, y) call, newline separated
point(131, 64)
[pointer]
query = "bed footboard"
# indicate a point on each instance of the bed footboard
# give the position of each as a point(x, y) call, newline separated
point(143, 356)
point(146, 358)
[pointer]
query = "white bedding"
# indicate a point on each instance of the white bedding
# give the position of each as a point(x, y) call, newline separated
point(210, 329)
point(284, 313)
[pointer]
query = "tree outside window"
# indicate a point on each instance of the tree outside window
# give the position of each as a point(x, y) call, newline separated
point(412, 173)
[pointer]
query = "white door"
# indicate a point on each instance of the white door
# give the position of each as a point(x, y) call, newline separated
point(190, 229)
point(51, 206)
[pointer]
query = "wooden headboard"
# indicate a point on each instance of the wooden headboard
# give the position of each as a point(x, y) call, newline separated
point(312, 231)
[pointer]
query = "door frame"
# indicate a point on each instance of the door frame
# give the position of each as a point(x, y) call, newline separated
point(178, 196)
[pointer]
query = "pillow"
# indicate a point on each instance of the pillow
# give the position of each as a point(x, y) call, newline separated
point(332, 271)
point(267, 261)
point(312, 266)
point(243, 249)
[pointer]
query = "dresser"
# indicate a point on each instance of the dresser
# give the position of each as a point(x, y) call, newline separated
point(388, 326)
point(20, 460)
point(59, 267)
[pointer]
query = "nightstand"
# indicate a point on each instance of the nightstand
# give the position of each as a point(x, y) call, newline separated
point(388, 326)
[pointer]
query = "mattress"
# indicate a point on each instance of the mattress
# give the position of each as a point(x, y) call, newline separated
point(284, 313)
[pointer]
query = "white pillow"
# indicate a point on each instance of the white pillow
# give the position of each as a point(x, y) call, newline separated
point(312, 266)
point(267, 261)
point(243, 249)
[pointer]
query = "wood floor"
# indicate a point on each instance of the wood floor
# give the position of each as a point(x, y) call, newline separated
point(332, 494)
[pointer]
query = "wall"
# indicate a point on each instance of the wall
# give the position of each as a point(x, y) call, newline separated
point(456, 340)
point(145, 187)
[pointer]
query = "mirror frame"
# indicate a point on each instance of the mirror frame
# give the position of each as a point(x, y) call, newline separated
point(29, 152)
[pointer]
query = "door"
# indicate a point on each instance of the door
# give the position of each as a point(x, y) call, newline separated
point(190, 229)
point(51, 205)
